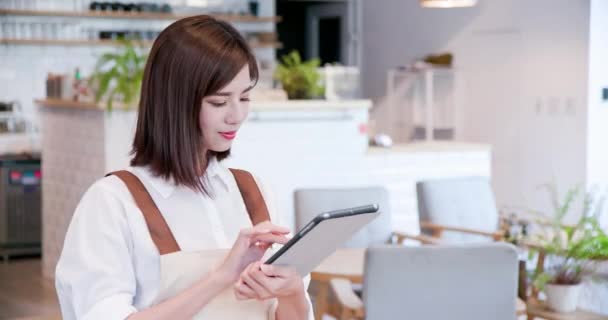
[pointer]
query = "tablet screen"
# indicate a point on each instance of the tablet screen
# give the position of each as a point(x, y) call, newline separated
point(321, 237)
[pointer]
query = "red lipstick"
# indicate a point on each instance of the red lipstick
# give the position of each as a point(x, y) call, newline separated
point(228, 135)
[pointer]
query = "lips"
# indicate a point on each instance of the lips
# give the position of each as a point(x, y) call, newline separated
point(228, 135)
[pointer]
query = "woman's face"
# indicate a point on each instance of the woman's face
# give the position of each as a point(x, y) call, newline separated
point(223, 112)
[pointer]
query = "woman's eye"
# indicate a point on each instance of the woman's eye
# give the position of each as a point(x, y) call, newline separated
point(245, 99)
point(218, 104)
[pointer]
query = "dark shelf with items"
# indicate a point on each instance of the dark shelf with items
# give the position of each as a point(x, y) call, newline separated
point(246, 18)
point(103, 42)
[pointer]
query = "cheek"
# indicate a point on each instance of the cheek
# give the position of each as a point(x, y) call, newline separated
point(209, 118)
point(202, 121)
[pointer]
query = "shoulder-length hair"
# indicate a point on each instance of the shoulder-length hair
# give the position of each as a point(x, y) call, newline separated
point(192, 58)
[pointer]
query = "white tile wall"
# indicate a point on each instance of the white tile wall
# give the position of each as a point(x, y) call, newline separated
point(23, 71)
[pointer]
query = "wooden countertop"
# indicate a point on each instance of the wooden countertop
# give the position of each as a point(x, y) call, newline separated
point(310, 105)
point(288, 105)
point(60, 103)
point(433, 146)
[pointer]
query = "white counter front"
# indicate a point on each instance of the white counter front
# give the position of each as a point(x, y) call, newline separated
point(289, 145)
point(397, 169)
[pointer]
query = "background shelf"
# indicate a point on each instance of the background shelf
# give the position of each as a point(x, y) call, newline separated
point(135, 15)
point(43, 42)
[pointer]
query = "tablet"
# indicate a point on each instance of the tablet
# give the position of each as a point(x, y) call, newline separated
point(322, 236)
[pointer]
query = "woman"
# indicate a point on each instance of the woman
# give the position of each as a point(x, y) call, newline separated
point(177, 235)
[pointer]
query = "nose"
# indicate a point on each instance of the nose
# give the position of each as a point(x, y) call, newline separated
point(237, 112)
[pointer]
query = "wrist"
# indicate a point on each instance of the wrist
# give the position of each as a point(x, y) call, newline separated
point(295, 299)
point(295, 306)
point(222, 278)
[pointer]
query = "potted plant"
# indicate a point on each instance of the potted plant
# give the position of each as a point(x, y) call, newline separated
point(300, 79)
point(118, 76)
point(572, 251)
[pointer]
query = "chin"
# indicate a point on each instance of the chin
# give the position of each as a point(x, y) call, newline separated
point(223, 148)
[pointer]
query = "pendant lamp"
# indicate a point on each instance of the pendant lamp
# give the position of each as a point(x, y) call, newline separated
point(447, 3)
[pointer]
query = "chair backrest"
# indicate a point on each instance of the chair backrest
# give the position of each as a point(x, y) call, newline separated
point(310, 202)
point(459, 282)
point(459, 202)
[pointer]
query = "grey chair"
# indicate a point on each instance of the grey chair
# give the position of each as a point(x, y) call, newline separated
point(463, 282)
point(458, 210)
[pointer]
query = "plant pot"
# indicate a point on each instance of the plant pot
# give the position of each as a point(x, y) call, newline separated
point(563, 297)
point(297, 94)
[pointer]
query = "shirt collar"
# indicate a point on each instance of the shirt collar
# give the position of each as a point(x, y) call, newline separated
point(166, 187)
point(215, 170)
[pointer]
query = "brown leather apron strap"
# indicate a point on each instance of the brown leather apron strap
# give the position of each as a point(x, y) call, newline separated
point(159, 230)
point(254, 201)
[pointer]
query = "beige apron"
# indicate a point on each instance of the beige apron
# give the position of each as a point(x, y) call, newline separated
point(180, 270)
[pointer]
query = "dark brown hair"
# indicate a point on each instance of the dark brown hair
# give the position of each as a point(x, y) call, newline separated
point(192, 58)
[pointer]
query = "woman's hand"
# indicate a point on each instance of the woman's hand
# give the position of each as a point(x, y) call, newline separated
point(261, 281)
point(250, 246)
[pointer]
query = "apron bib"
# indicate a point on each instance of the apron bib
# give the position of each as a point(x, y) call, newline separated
point(180, 270)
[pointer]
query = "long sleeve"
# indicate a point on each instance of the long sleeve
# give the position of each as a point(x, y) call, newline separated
point(95, 276)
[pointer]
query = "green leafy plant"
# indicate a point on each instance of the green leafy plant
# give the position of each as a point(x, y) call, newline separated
point(576, 249)
point(300, 79)
point(118, 76)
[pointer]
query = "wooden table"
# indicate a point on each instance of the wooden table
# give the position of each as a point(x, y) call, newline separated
point(537, 308)
point(345, 264)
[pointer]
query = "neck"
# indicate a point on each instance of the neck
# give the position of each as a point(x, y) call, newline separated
point(205, 159)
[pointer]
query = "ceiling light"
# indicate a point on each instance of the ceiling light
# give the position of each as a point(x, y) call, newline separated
point(447, 3)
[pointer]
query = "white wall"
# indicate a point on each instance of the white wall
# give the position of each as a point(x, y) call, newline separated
point(524, 68)
point(597, 151)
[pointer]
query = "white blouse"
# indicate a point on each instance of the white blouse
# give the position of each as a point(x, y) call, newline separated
point(109, 266)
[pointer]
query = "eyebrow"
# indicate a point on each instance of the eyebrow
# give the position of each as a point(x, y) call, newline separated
point(227, 94)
